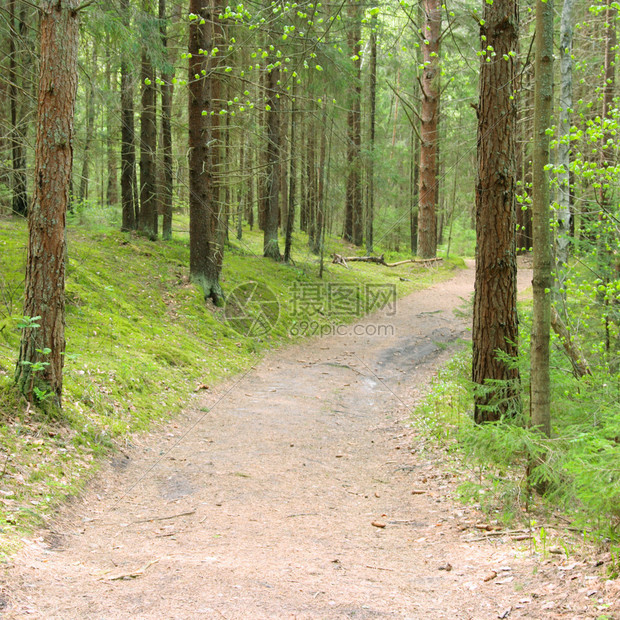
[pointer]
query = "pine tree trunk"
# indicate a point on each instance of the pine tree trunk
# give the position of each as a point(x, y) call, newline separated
point(147, 220)
point(45, 269)
point(129, 188)
point(90, 130)
point(290, 218)
point(427, 220)
point(495, 325)
point(18, 126)
point(111, 129)
point(166, 130)
point(270, 237)
point(370, 203)
point(204, 265)
point(541, 282)
point(354, 208)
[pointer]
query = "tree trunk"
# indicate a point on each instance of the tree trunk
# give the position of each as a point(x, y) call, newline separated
point(90, 130)
point(290, 218)
point(18, 125)
point(541, 282)
point(112, 111)
point(370, 203)
point(41, 355)
point(354, 209)
point(495, 325)
point(566, 103)
point(427, 220)
point(166, 131)
point(270, 237)
point(204, 265)
point(147, 220)
point(129, 193)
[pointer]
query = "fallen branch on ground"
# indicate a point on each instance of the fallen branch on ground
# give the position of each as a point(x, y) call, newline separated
point(339, 259)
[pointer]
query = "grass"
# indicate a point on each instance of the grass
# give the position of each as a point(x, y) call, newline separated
point(140, 339)
point(578, 466)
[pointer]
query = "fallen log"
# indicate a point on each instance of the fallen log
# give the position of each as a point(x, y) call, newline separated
point(338, 259)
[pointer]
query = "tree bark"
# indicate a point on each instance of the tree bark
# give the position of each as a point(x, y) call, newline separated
point(429, 134)
point(354, 209)
point(129, 186)
point(166, 131)
point(18, 127)
point(111, 130)
point(204, 265)
point(495, 325)
point(370, 203)
point(45, 268)
point(270, 237)
point(90, 130)
point(290, 218)
point(541, 283)
point(147, 219)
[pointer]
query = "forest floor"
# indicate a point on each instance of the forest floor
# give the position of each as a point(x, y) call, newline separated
point(300, 490)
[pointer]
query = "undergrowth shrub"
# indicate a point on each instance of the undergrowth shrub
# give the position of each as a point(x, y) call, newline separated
point(578, 467)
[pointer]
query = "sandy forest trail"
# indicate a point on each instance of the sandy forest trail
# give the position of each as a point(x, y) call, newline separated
point(263, 506)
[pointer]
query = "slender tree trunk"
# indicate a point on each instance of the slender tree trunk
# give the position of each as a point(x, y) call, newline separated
point(427, 220)
point(290, 219)
point(270, 237)
point(111, 129)
point(566, 103)
point(204, 265)
point(311, 184)
point(166, 129)
point(45, 269)
point(90, 130)
point(495, 325)
point(18, 134)
point(147, 220)
point(129, 193)
point(354, 209)
point(541, 282)
point(370, 208)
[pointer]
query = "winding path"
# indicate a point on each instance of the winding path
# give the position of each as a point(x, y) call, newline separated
point(287, 493)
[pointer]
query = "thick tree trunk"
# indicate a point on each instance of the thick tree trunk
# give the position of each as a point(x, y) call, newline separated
point(495, 325)
point(354, 208)
point(204, 265)
point(166, 130)
point(429, 134)
point(147, 220)
point(270, 237)
point(129, 187)
point(18, 126)
point(541, 283)
point(41, 355)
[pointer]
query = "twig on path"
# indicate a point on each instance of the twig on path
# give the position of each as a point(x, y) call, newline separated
point(131, 574)
point(180, 514)
point(303, 514)
point(380, 568)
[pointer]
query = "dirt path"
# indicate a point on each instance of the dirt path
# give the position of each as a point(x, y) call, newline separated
point(263, 506)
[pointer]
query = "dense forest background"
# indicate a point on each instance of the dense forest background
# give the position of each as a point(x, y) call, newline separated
point(207, 124)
